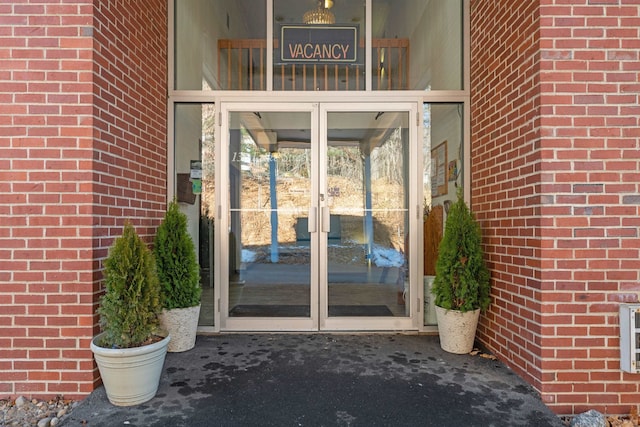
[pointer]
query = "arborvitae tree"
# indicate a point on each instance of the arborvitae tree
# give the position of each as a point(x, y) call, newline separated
point(176, 262)
point(130, 306)
point(462, 279)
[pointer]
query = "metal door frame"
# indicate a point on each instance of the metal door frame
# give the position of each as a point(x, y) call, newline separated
point(319, 319)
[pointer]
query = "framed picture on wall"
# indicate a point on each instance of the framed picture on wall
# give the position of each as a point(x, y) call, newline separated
point(452, 173)
point(439, 170)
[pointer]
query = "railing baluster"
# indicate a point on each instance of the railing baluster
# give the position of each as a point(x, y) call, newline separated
point(240, 68)
point(390, 70)
point(293, 77)
point(326, 77)
point(346, 76)
point(304, 77)
point(250, 67)
point(400, 79)
point(262, 70)
point(379, 61)
point(229, 67)
point(406, 68)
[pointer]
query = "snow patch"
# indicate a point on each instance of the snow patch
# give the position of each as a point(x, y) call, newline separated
point(387, 257)
point(248, 256)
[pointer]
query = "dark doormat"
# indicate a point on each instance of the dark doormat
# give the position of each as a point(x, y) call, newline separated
point(257, 310)
point(359, 310)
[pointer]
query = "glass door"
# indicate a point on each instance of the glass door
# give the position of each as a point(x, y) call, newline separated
point(271, 282)
point(364, 202)
point(317, 217)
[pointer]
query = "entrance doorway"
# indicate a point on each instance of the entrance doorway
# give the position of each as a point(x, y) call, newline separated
point(317, 216)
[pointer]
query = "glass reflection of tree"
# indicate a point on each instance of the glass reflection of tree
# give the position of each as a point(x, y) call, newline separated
point(208, 160)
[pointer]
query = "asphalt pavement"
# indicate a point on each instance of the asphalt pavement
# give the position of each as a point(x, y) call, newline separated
point(326, 380)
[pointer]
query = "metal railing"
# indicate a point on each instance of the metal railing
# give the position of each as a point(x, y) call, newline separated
point(242, 66)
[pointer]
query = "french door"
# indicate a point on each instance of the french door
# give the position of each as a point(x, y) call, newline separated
point(318, 216)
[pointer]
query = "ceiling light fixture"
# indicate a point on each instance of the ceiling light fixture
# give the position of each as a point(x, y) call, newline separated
point(321, 14)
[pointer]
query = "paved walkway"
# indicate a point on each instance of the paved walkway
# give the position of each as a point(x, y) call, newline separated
point(326, 380)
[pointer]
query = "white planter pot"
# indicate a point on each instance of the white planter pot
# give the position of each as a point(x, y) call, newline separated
point(457, 330)
point(130, 375)
point(182, 326)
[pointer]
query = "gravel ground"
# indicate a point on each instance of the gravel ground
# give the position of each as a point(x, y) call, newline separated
point(23, 412)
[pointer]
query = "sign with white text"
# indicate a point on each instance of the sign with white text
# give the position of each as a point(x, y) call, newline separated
point(318, 44)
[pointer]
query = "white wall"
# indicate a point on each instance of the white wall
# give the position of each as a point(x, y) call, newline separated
point(438, 61)
point(435, 30)
point(200, 24)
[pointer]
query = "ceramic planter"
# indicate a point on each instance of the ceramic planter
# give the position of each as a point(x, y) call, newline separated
point(182, 326)
point(457, 330)
point(130, 375)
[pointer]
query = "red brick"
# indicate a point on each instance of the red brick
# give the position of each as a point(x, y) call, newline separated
point(53, 112)
point(47, 376)
point(570, 74)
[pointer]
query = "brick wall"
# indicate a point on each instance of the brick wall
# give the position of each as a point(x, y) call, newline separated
point(130, 114)
point(82, 147)
point(506, 174)
point(555, 102)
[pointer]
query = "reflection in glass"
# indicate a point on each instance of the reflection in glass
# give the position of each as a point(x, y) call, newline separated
point(443, 155)
point(367, 178)
point(194, 141)
point(269, 197)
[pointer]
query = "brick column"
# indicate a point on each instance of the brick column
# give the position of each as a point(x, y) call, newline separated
point(556, 178)
point(82, 147)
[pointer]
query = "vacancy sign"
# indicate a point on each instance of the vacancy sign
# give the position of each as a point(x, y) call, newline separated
point(318, 44)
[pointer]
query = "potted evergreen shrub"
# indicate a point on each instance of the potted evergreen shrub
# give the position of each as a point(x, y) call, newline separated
point(179, 275)
point(462, 283)
point(131, 348)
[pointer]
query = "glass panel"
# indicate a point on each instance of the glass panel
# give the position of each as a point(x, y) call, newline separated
point(195, 188)
point(442, 175)
point(220, 45)
point(269, 196)
point(367, 179)
point(417, 44)
point(321, 46)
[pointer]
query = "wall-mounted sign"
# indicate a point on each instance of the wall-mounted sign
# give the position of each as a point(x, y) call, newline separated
point(196, 186)
point(196, 169)
point(313, 44)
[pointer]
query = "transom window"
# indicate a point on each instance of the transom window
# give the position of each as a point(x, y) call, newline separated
point(328, 45)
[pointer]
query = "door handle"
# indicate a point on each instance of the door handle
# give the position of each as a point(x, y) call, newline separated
point(326, 224)
point(311, 223)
